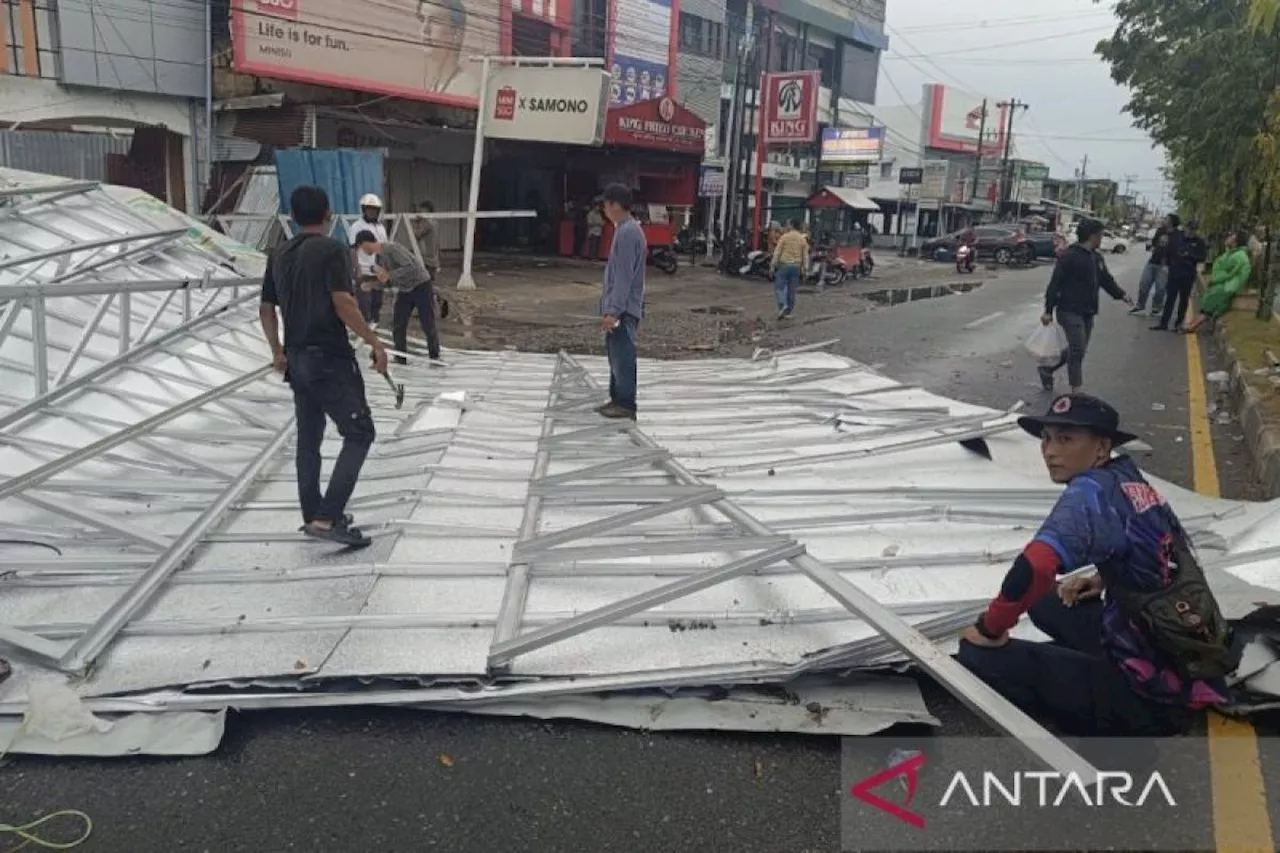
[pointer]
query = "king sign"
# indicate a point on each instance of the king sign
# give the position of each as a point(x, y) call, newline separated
point(547, 104)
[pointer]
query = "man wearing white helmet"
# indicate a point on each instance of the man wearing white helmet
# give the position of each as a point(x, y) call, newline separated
point(369, 291)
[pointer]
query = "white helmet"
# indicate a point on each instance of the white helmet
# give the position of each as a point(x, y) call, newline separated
point(370, 200)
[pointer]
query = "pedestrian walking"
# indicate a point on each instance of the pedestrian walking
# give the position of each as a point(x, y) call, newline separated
point(1072, 297)
point(1136, 647)
point(1230, 274)
point(1185, 258)
point(425, 232)
point(789, 257)
point(622, 301)
point(409, 283)
point(595, 231)
point(368, 295)
point(307, 283)
point(1155, 273)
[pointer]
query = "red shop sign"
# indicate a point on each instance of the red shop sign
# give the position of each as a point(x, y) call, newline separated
point(661, 124)
point(791, 107)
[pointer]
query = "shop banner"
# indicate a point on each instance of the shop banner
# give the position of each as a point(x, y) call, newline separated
point(547, 104)
point(791, 107)
point(417, 49)
point(852, 144)
point(641, 57)
point(662, 125)
point(711, 182)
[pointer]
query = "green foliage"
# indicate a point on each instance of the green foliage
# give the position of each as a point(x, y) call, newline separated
point(1202, 76)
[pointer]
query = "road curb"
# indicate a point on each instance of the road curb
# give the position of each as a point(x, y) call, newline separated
point(1263, 439)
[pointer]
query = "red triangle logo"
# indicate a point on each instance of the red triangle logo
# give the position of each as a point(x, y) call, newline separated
point(908, 768)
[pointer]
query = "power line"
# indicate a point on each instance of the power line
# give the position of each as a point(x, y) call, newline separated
point(986, 48)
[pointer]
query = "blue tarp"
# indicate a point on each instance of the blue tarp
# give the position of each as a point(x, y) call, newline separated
point(345, 175)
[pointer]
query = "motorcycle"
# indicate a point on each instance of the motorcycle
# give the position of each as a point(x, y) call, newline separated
point(867, 265)
point(964, 258)
point(663, 258)
point(756, 263)
point(689, 243)
point(826, 268)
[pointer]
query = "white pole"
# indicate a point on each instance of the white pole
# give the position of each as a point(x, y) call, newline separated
point(466, 281)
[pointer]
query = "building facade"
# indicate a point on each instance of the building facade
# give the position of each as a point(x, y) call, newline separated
point(127, 69)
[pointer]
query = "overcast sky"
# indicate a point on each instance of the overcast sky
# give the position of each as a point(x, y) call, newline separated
point(1040, 53)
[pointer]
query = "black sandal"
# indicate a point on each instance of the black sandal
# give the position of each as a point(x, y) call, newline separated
point(348, 519)
point(340, 533)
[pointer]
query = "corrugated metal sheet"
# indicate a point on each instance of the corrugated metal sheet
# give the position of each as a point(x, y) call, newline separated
point(698, 79)
point(286, 127)
point(81, 156)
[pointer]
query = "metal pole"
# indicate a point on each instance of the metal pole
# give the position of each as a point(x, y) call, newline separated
point(466, 281)
point(208, 100)
point(977, 160)
point(762, 106)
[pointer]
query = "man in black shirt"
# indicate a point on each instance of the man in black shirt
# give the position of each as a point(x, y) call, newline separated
point(308, 281)
point(1072, 295)
point(1155, 275)
point(1185, 257)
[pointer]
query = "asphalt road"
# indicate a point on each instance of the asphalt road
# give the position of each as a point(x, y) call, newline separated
point(374, 780)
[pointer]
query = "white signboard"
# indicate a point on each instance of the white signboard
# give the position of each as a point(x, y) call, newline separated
point(547, 104)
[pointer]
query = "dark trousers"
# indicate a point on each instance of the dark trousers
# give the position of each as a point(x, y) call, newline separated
point(1179, 290)
point(423, 300)
point(370, 302)
point(1079, 329)
point(593, 247)
point(327, 385)
point(620, 344)
point(1071, 681)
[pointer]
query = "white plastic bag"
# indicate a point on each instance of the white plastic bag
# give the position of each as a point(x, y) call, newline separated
point(1047, 343)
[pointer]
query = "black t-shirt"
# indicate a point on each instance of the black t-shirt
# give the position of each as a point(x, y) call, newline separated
point(301, 278)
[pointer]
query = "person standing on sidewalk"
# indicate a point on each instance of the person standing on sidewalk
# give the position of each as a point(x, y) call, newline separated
point(622, 301)
point(1155, 275)
point(1072, 295)
point(368, 294)
point(308, 283)
point(595, 231)
point(1185, 259)
point(410, 284)
point(789, 257)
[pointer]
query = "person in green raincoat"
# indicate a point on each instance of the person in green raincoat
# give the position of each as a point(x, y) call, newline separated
point(1230, 274)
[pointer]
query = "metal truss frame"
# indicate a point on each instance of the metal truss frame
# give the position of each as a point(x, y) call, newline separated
point(761, 548)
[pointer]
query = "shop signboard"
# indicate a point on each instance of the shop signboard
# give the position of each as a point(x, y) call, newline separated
point(790, 107)
point(662, 125)
point(641, 58)
point(910, 175)
point(933, 183)
point(547, 104)
point(415, 50)
point(1034, 172)
point(711, 182)
point(852, 144)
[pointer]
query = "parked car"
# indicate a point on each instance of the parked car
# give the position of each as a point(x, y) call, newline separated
point(1047, 244)
point(1113, 243)
point(997, 242)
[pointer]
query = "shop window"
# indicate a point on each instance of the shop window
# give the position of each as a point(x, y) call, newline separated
point(44, 53)
point(701, 36)
point(530, 37)
point(886, 171)
point(590, 28)
point(823, 59)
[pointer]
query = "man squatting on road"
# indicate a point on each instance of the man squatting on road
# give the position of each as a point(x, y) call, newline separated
point(1073, 295)
point(1139, 661)
point(407, 278)
point(308, 283)
point(622, 301)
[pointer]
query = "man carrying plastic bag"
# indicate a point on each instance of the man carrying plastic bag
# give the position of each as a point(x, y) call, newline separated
point(1072, 299)
point(1048, 345)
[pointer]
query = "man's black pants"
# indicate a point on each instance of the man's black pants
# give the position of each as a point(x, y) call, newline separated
point(370, 302)
point(1179, 286)
point(327, 384)
point(422, 299)
point(1071, 680)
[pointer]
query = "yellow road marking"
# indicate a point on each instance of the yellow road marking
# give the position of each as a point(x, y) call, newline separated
point(1241, 821)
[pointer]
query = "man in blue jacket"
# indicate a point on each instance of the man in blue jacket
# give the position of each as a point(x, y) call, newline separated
point(1142, 659)
point(622, 301)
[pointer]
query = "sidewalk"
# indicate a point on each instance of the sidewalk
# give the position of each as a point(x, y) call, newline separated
point(548, 304)
point(1252, 349)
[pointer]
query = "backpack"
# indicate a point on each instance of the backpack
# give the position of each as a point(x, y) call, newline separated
point(1183, 620)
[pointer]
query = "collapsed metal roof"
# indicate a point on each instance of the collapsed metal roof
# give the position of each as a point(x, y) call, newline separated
point(793, 513)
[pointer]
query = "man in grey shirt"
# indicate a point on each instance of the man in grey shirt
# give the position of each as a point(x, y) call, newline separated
point(400, 271)
point(622, 301)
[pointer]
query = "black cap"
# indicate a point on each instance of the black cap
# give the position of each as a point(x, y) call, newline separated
point(1080, 410)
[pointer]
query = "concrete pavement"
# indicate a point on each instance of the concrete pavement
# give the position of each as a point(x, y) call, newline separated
point(390, 780)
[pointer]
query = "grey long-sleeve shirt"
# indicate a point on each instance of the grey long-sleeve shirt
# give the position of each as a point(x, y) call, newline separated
point(624, 273)
point(406, 271)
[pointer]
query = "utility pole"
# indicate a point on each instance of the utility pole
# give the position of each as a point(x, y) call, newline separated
point(1006, 174)
point(977, 160)
point(1081, 177)
point(733, 134)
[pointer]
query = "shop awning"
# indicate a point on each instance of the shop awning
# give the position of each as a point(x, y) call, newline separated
point(842, 197)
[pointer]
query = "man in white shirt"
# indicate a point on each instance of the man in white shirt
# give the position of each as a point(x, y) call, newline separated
point(368, 288)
